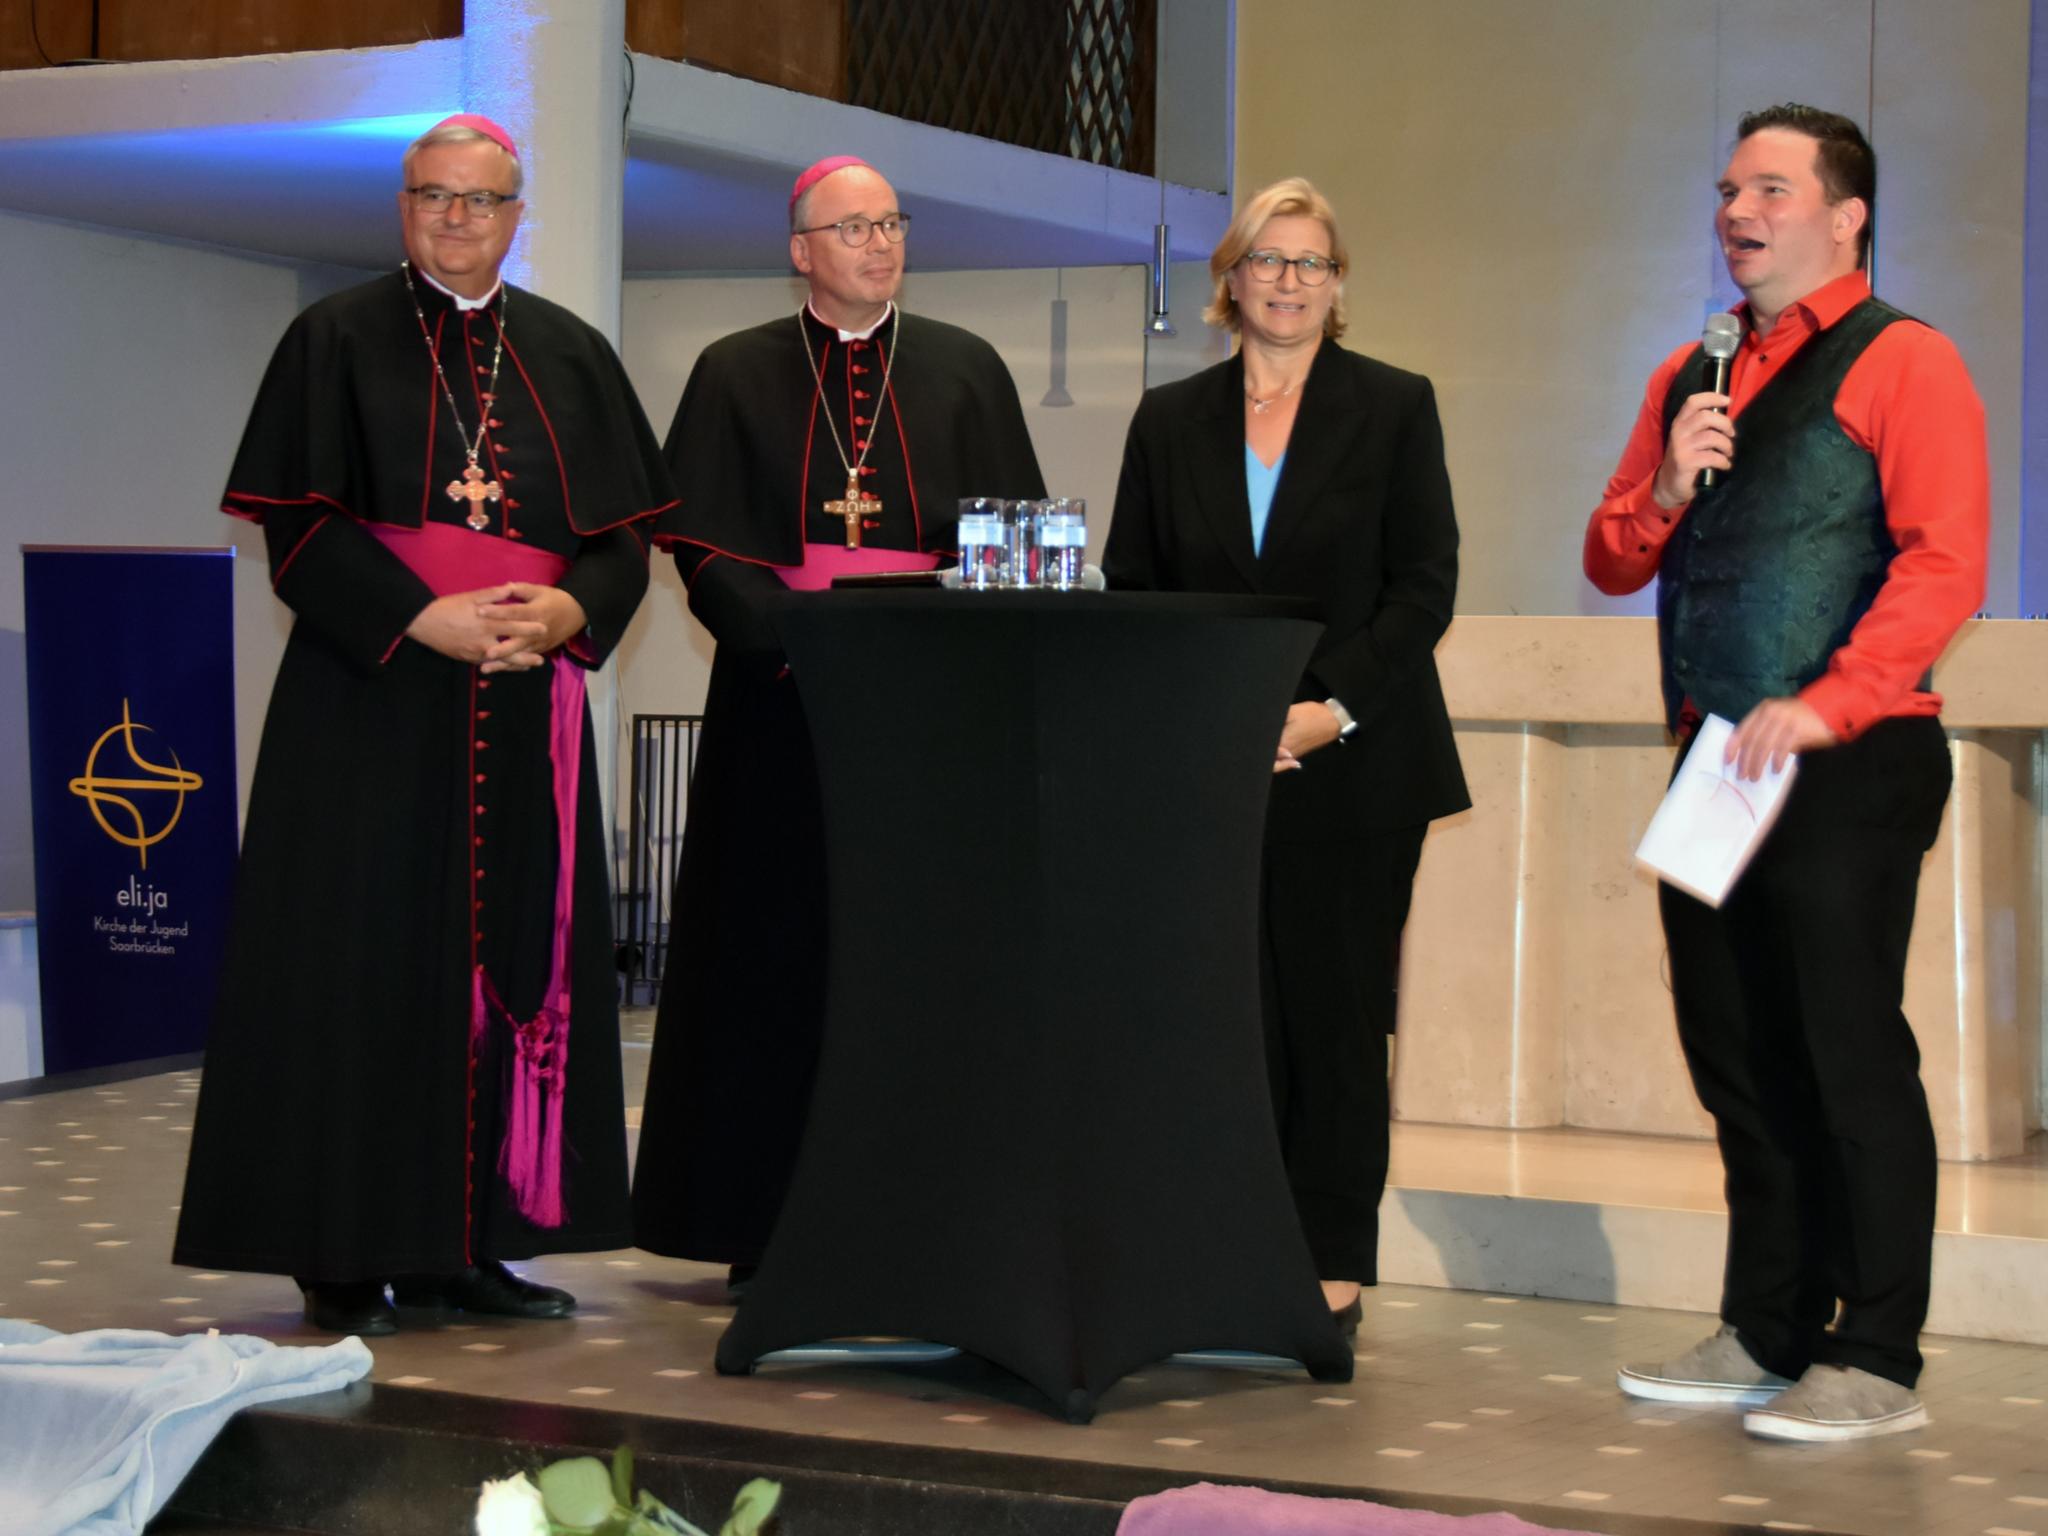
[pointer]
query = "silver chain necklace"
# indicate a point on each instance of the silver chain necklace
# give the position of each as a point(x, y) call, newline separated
point(473, 487)
point(1259, 406)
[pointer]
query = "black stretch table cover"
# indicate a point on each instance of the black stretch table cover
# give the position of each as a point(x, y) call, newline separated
point(1040, 1129)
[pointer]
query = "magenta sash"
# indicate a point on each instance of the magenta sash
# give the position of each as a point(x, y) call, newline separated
point(822, 562)
point(451, 559)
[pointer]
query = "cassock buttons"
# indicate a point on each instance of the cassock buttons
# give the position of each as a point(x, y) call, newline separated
point(860, 421)
point(860, 394)
point(860, 442)
point(494, 423)
point(859, 368)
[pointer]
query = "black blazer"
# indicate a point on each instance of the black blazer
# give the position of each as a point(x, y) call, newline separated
point(1361, 525)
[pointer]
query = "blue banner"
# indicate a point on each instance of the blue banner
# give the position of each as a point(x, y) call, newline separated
point(131, 727)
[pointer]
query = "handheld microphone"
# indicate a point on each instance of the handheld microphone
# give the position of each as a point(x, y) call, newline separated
point(1722, 336)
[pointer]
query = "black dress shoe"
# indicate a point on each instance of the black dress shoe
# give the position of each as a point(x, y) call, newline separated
point(489, 1288)
point(1348, 1318)
point(350, 1306)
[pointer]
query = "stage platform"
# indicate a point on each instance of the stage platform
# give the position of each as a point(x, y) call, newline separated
point(1484, 1396)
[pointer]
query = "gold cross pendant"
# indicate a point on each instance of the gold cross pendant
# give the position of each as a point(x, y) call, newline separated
point(476, 490)
point(855, 505)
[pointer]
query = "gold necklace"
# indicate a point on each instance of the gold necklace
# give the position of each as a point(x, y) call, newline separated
point(472, 487)
point(856, 503)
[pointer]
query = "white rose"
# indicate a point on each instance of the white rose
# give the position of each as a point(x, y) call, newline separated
point(511, 1506)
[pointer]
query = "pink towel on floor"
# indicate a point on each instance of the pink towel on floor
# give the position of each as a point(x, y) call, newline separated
point(1205, 1509)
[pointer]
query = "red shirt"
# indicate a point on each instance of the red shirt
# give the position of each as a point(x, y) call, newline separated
point(1908, 402)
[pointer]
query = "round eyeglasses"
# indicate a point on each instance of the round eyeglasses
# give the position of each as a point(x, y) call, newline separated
point(481, 205)
point(1312, 271)
point(860, 229)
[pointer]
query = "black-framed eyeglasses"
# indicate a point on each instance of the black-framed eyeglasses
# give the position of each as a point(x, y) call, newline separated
point(860, 229)
point(481, 205)
point(1313, 271)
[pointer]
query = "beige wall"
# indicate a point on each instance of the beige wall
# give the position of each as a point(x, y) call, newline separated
point(1527, 189)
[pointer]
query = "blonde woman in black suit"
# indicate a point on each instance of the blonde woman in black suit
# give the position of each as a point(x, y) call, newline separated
point(1300, 469)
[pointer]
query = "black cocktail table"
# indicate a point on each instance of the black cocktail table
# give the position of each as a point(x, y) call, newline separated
point(1040, 1129)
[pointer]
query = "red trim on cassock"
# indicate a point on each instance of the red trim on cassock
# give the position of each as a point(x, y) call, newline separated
point(286, 563)
point(256, 517)
point(803, 490)
point(669, 541)
point(433, 421)
point(561, 466)
point(561, 469)
point(483, 420)
point(909, 474)
point(468, 1031)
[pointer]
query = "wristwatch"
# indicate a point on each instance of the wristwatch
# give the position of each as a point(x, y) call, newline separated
point(1345, 724)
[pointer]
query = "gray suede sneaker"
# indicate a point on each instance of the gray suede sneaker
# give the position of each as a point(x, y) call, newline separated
point(1837, 1402)
point(1715, 1370)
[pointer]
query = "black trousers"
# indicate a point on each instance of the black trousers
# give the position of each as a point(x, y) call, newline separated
point(1332, 914)
point(1788, 1003)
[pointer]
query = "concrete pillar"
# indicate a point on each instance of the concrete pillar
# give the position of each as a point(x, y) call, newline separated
point(570, 55)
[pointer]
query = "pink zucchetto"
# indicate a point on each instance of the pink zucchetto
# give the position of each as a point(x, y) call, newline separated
point(480, 124)
point(818, 172)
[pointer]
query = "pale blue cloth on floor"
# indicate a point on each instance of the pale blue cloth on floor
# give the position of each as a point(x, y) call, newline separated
point(98, 1429)
point(1260, 481)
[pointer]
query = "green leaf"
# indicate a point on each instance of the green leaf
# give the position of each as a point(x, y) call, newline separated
point(578, 1492)
point(665, 1518)
point(751, 1510)
point(622, 1476)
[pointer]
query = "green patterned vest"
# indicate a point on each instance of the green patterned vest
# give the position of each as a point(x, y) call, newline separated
point(1770, 570)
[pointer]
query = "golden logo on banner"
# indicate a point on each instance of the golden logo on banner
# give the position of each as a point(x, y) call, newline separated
point(100, 793)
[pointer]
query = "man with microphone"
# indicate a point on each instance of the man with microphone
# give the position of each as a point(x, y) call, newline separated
point(1817, 530)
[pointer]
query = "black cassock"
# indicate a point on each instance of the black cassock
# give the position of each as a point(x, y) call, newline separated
point(401, 830)
point(742, 995)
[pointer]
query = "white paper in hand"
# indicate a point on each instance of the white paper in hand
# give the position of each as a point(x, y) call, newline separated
point(1712, 823)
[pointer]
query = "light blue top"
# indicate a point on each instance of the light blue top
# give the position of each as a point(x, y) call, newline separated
point(1259, 484)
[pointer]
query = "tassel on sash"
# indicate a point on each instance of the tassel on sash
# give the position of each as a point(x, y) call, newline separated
point(530, 1159)
point(452, 559)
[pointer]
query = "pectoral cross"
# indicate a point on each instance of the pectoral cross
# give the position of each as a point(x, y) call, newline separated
point(476, 490)
point(855, 505)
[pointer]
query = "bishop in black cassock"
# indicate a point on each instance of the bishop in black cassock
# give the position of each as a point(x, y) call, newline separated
point(413, 1071)
point(773, 423)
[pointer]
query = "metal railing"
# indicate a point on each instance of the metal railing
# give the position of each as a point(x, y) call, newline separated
point(662, 758)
